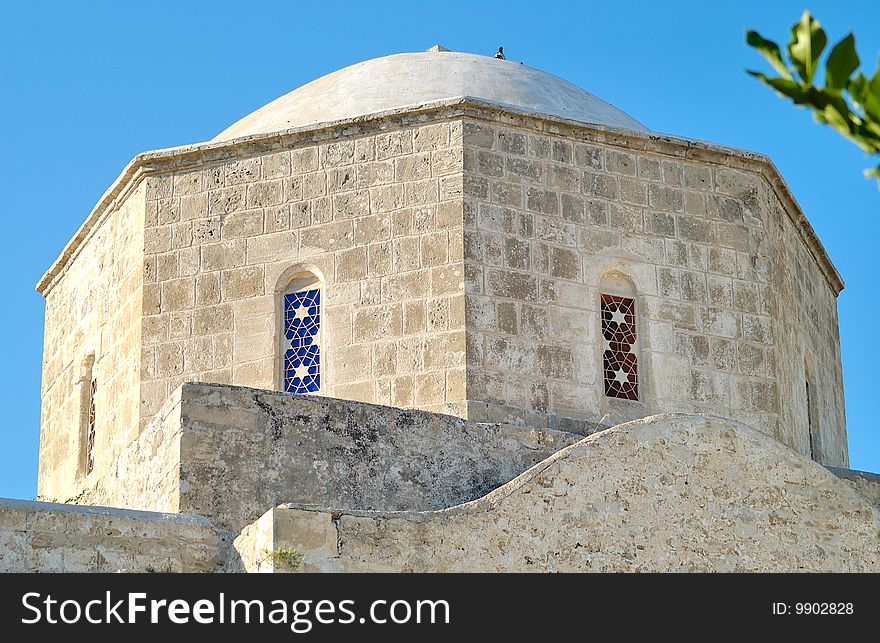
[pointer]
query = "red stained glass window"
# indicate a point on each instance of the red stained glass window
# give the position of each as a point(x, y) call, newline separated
point(619, 361)
point(90, 449)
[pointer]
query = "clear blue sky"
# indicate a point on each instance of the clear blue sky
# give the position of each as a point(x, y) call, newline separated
point(84, 86)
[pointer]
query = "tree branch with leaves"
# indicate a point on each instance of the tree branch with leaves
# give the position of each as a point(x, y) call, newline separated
point(848, 103)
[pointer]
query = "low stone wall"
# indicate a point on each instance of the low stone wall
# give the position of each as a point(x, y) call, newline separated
point(867, 484)
point(147, 473)
point(667, 493)
point(47, 537)
point(245, 450)
point(230, 453)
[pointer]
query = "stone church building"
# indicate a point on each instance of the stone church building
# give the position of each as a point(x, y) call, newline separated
point(442, 312)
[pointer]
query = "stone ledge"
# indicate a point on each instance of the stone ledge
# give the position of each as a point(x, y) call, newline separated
point(52, 537)
point(867, 484)
point(279, 447)
point(187, 156)
point(39, 505)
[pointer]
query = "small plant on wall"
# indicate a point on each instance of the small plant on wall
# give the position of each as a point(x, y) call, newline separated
point(287, 558)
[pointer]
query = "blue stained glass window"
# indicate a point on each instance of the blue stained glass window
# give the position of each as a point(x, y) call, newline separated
point(301, 341)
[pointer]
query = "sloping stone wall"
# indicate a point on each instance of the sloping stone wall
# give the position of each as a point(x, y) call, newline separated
point(245, 450)
point(231, 453)
point(867, 484)
point(667, 493)
point(45, 537)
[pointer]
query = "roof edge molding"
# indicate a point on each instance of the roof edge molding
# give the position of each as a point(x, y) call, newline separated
point(191, 156)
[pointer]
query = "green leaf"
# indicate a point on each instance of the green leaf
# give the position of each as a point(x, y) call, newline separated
point(842, 61)
point(832, 115)
point(856, 116)
point(770, 50)
point(875, 172)
point(807, 42)
point(871, 97)
point(785, 87)
point(870, 130)
point(856, 88)
point(867, 137)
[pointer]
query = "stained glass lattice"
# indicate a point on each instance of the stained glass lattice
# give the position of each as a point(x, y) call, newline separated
point(301, 341)
point(90, 445)
point(619, 360)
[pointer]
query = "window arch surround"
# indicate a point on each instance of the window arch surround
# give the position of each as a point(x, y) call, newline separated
point(88, 384)
point(298, 345)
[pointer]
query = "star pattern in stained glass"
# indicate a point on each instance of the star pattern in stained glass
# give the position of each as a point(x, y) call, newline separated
point(300, 343)
point(619, 360)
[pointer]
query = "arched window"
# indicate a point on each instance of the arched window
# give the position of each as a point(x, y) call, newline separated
point(301, 335)
point(90, 454)
point(88, 391)
point(620, 361)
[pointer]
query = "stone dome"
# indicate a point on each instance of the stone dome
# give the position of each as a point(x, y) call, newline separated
point(413, 79)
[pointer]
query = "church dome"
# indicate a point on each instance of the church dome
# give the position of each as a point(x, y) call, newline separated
point(413, 79)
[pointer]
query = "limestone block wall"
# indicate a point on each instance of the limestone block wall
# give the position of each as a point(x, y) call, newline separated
point(314, 533)
point(231, 453)
point(244, 451)
point(374, 211)
point(806, 336)
point(665, 494)
point(731, 304)
point(44, 537)
point(866, 483)
point(248, 554)
point(461, 251)
point(146, 473)
point(93, 316)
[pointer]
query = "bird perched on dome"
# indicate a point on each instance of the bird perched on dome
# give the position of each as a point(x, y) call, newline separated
point(500, 54)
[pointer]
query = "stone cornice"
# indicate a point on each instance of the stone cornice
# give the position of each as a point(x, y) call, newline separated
point(200, 154)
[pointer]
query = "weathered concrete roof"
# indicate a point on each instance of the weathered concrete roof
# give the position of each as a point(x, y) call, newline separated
point(405, 80)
